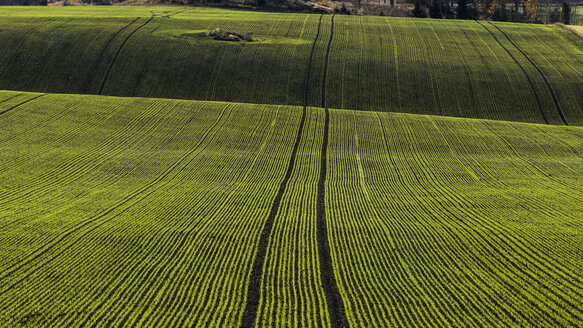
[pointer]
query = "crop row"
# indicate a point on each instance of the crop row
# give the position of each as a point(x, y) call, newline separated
point(141, 212)
point(444, 222)
point(147, 215)
point(504, 71)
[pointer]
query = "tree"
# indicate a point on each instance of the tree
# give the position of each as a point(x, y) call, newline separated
point(531, 10)
point(462, 9)
point(566, 13)
point(555, 16)
point(435, 9)
point(515, 15)
point(448, 10)
point(485, 8)
point(418, 11)
point(500, 13)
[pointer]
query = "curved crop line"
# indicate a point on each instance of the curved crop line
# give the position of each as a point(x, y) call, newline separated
point(307, 78)
point(551, 90)
point(22, 103)
point(540, 107)
point(175, 13)
point(64, 137)
point(237, 186)
point(517, 244)
point(175, 164)
point(11, 270)
point(119, 284)
point(326, 64)
point(97, 187)
point(369, 302)
point(145, 188)
point(253, 294)
point(396, 58)
point(117, 54)
point(329, 284)
point(486, 64)
point(528, 273)
point(192, 204)
point(566, 61)
point(431, 71)
point(530, 163)
point(465, 64)
point(101, 55)
point(11, 97)
point(56, 177)
point(22, 41)
point(452, 261)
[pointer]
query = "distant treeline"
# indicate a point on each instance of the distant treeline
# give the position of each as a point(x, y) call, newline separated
point(528, 11)
point(23, 2)
point(568, 12)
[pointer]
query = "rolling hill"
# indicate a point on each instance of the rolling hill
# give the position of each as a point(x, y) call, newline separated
point(517, 72)
point(338, 171)
point(150, 212)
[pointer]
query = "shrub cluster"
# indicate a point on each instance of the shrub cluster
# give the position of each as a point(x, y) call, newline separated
point(224, 35)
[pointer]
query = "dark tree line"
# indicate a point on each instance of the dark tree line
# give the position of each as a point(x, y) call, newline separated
point(499, 10)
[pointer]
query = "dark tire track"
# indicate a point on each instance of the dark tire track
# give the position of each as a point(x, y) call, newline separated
point(22, 103)
point(254, 287)
point(104, 81)
point(101, 56)
point(175, 13)
point(10, 98)
point(551, 90)
point(331, 291)
point(540, 107)
point(326, 64)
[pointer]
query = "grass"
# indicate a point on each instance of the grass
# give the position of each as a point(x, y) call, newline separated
point(518, 72)
point(576, 29)
point(147, 212)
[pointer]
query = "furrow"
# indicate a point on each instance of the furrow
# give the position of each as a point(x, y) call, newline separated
point(327, 272)
point(548, 84)
point(532, 88)
point(254, 288)
point(104, 81)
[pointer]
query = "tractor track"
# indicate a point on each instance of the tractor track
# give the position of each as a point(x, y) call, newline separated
point(117, 54)
point(102, 55)
point(22, 103)
point(540, 107)
point(10, 98)
point(254, 287)
point(331, 291)
point(551, 90)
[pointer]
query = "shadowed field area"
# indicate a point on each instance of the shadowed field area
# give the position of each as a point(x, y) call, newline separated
point(517, 72)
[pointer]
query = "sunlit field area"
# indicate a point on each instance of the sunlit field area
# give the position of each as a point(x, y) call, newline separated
point(331, 171)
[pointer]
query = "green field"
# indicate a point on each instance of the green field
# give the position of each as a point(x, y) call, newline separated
point(518, 72)
point(148, 212)
point(342, 171)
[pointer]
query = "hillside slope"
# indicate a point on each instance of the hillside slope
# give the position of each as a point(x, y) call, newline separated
point(149, 212)
point(502, 71)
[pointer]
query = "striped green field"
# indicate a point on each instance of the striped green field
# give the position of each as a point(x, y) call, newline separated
point(123, 212)
point(341, 171)
point(517, 72)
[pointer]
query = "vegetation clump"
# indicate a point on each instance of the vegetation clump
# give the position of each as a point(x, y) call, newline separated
point(224, 35)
